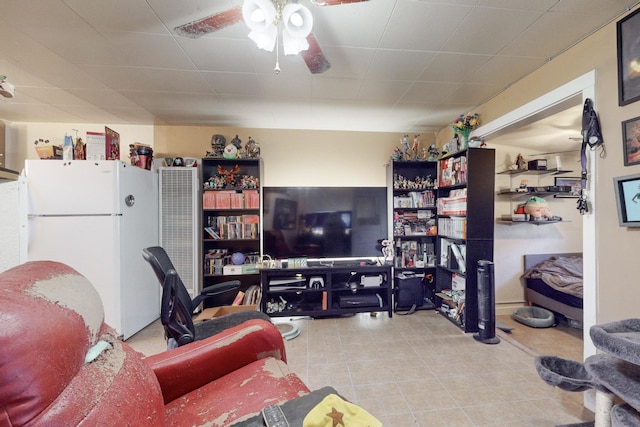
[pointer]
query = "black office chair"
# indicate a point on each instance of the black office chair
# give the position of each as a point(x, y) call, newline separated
point(177, 307)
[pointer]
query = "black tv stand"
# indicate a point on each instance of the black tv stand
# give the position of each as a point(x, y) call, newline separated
point(323, 291)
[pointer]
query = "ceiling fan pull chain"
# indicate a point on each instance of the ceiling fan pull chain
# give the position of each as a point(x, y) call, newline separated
point(277, 67)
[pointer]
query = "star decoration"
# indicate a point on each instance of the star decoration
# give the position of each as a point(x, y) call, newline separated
point(336, 417)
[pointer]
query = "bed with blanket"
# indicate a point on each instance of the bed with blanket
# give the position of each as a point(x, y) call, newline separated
point(554, 282)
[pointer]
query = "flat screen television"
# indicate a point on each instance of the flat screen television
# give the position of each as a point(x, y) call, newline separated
point(627, 190)
point(324, 222)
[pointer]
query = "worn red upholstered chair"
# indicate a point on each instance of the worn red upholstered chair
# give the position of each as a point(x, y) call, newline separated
point(60, 365)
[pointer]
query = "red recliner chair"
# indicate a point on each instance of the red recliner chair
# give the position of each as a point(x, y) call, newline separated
point(61, 365)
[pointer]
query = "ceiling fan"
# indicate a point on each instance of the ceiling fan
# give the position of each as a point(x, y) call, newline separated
point(312, 56)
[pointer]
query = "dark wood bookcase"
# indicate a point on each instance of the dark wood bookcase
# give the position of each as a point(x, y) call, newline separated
point(465, 231)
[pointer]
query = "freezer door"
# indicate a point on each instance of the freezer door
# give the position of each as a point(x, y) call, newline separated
point(81, 187)
point(141, 289)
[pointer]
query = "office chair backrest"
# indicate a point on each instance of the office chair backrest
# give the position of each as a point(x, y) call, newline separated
point(176, 307)
point(159, 260)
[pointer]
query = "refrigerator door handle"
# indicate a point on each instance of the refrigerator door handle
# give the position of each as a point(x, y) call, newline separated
point(68, 215)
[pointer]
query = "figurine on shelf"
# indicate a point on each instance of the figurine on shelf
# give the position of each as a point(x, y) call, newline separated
point(237, 142)
point(230, 152)
point(229, 175)
point(252, 149)
point(218, 143)
point(405, 142)
point(521, 165)
point(397, 154)
point(215, 182)
point(433, 153)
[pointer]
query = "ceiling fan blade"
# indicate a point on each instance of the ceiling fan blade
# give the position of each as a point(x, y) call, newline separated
point(314, 58)
point(210, 24)
point(334, 2)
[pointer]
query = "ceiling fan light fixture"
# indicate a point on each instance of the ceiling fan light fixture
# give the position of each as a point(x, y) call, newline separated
point(259, 15)
point(265, 40)
point(6, 89)
point(293, 45)
point(297, 20)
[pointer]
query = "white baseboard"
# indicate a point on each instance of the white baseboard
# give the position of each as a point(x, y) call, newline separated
point(507, 307)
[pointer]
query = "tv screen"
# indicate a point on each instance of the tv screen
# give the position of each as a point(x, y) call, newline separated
point(627, 189)
point(324, 222)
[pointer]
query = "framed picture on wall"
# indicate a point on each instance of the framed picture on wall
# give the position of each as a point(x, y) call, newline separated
point(628, 36)
point(631, 141)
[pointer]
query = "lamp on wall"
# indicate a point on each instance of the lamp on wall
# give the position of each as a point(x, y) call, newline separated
point(263, 17)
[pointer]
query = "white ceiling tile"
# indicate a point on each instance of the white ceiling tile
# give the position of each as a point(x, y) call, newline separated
point(430, 92)
point(233, 83)
point(550, 34)
point(387, 91)
point(335, 88)
point(451, 67)
point(343, 25)
point(149, 79)
point(539, 5)
point(209, 54)
point(284, 86)
point(504, 70)
point(396, 65)
point(118, 15)
point(487, 30)
point(349, 61)
point(422, 26)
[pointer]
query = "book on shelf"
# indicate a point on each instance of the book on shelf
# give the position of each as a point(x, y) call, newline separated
point(212, 233)
point(253, 295)
point(453, 171)
point(455, 204)
point(453, 255)
point(459, 259)
point(455, 227)
point(251, 199)
point(458, 282)
point(238, 299)
point(233, 226)
point(415, 199)
point(234, 230)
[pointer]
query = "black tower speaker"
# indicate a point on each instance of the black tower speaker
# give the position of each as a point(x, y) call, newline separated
point(486, 304)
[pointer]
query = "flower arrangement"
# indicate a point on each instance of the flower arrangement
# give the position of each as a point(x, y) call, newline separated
point(465, 124)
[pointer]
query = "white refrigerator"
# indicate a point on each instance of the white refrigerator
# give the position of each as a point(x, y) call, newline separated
point(97, 216)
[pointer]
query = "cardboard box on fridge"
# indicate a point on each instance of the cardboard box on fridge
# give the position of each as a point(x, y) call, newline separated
point(210, 313)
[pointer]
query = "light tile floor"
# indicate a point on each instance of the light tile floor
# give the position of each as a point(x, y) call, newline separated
point(421, 370)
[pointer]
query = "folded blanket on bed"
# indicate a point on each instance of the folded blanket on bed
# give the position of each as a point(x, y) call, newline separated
point(561, 273)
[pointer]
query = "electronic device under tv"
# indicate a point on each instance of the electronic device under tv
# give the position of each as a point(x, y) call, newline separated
point(627, 190)
point(339, 223)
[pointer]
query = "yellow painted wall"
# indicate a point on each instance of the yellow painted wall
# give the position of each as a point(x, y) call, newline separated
point(617, 250)
point(297, 157)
